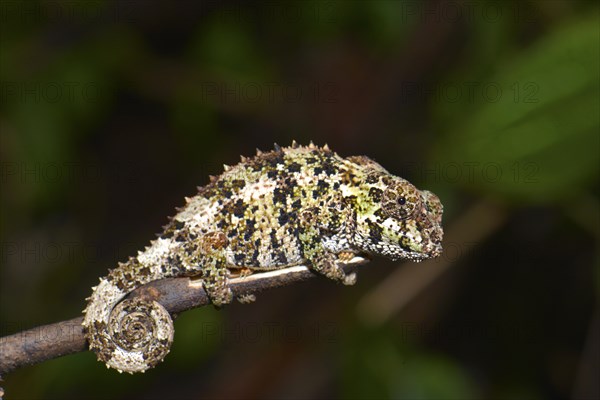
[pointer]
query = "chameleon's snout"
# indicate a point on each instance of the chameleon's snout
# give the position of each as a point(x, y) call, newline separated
point(432, 212)
point(436, 242)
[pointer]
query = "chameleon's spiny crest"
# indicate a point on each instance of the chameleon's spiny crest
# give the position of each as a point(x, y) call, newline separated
point(298, 205)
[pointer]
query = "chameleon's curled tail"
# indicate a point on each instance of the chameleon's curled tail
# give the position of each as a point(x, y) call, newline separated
point(130, 335)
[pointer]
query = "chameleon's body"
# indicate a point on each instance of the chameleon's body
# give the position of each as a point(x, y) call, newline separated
point(292, 206)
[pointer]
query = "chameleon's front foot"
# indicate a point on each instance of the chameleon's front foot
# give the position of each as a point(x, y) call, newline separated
point(349, 279)
point(328, 265)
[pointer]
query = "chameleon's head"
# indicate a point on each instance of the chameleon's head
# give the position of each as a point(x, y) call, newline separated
point(396, 220)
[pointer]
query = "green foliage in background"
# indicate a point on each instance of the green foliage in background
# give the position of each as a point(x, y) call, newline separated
point(387, 363)
point(540, 114)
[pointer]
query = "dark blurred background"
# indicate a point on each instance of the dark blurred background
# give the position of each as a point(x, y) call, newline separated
point(113, 111)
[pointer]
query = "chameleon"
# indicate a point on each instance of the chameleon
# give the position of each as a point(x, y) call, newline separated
point(296, 205)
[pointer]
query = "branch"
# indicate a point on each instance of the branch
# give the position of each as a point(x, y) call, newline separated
point(46, 342)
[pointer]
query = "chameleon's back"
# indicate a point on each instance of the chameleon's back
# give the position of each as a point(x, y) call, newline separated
point(258, 204)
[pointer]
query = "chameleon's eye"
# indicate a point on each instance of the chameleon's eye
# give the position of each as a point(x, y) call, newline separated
point(400, 200)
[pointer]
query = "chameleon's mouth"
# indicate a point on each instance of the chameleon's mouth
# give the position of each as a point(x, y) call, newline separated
point(433, 248)
point(408, 256)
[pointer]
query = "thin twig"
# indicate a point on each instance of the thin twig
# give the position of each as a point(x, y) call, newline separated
point(46, 342)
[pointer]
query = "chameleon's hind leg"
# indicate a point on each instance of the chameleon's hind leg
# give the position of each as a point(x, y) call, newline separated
point(215, 279)
point(207, 253)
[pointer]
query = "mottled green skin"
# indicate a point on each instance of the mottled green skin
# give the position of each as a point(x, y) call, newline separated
point(291, 206)
point(305, 205)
